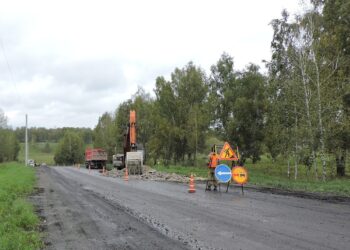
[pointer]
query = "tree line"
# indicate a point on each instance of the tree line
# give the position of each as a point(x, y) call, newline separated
point(299, 109)
point(173, 126)
point(9, 145)
point(41, 134)
point(309, 87)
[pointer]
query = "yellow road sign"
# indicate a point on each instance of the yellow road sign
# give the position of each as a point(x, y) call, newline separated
point(227, 153)
point(240, 175)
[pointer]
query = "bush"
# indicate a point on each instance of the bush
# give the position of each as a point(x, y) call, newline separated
point(70, 149)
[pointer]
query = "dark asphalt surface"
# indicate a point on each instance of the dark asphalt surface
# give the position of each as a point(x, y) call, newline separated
point(83, 210)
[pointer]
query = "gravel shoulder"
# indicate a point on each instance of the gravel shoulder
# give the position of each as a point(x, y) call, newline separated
point(85, 210)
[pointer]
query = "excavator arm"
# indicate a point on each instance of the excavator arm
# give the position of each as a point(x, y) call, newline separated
point(130, 135)
point(132, 128)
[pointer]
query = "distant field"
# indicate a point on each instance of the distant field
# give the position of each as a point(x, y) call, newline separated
point(39, 153)
point(19, 226)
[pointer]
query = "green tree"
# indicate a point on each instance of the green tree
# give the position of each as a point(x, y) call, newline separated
point(3, 119)
point(247, 124)
point(9, 145)
point(335, 46)
point(221, 88)
point(241, 104)
point(70, 149)
point(181, 119)
point(309, 69)
point(104, 134)
point(288, 97)
point(120, 122)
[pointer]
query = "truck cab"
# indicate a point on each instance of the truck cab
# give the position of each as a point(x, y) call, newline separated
point(118, 160)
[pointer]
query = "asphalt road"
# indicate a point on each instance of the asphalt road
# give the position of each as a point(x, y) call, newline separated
point(83, 210)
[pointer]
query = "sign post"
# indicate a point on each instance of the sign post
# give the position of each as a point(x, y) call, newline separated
point(223, 173)
point(240, 176)
point(227, 153)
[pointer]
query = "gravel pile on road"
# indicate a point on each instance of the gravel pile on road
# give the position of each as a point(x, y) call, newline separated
point(153, 175)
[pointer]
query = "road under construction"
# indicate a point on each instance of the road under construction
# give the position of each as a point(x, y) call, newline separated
point(84, 209)
point(81, 208)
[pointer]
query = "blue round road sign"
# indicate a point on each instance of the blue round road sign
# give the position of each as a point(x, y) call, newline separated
point(223, 173)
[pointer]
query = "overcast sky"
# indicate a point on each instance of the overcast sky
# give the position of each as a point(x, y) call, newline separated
point(64, 63)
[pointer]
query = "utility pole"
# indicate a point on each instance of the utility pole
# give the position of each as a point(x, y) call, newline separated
point(196, 139)
point(26, 143)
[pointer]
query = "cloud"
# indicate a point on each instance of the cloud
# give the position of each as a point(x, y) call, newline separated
point(71, 61)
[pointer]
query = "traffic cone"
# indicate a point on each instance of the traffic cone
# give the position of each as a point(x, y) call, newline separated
point(126, 176)
point(192, 189)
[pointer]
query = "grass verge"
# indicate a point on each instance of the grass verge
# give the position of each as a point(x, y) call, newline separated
point(335, 186)
point(263, 174)
point(18, 223)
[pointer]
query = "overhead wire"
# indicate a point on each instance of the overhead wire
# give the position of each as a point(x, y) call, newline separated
point(9, 67)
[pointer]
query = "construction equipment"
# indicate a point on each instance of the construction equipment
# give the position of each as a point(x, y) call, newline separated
point(118, 161)
point(192, 188)
point(95, 158)
point(126, 175)
point(132, 157)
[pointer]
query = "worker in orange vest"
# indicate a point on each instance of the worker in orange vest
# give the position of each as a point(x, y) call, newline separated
point(213, 162)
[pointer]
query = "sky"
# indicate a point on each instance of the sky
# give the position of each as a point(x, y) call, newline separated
point(65, 63)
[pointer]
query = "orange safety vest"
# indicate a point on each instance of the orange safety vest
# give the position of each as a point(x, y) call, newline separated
point(214, 161)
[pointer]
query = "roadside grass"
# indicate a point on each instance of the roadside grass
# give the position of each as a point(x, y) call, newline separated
point(266, 173)
point(337, 186)
point(18, 223)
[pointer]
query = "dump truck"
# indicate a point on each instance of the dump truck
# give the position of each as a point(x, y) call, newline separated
point(95, 158)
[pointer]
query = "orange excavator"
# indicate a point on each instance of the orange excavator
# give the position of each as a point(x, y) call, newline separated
point(130, 135)
point(133, 158)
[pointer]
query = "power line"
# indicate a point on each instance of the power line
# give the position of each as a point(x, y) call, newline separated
point(8, 66)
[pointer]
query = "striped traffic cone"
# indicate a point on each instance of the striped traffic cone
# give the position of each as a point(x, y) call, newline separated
point(192, 189)
point(126, 175)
